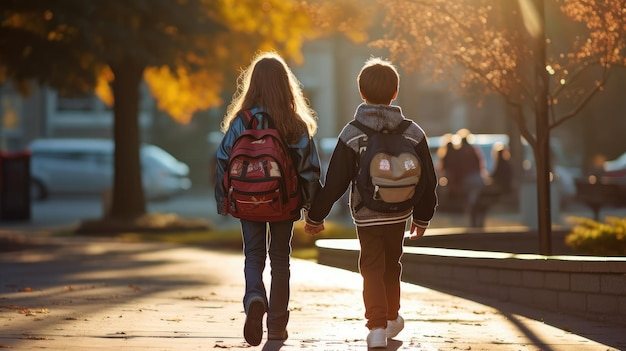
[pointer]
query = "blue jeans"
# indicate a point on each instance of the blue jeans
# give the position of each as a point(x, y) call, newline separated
point(255, 240)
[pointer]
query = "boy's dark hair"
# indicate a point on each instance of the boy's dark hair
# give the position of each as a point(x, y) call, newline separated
point(378, 81)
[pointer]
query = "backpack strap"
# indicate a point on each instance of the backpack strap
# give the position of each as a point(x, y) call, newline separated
point(252, 123)
point(403, 126)
point(266, 119)
point(362, 127)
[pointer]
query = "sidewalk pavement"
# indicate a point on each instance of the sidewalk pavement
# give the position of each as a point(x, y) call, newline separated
point(85, 293)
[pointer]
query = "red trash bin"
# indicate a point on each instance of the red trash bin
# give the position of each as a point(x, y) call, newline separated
point(15, 201)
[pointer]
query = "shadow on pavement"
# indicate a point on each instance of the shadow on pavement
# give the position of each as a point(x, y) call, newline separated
point(606, 334)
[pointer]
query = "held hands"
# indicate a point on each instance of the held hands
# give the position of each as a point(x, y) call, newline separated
point(416, 232)
point(313, 229)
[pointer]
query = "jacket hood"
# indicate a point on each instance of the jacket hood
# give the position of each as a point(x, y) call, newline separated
point(379, 117)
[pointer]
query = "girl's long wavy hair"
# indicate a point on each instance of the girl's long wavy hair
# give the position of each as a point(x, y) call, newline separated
point(269, 83)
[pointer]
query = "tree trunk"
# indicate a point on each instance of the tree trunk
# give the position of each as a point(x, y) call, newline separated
point(128, 196)
point(542, 149)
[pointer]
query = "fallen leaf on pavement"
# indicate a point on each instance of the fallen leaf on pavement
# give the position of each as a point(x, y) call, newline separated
point(173, 320)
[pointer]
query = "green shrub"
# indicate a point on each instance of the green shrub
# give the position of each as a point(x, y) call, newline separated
point(589, 237)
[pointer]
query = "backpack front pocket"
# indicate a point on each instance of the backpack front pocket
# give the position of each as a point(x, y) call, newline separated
point(266, 202)
point(394, 191)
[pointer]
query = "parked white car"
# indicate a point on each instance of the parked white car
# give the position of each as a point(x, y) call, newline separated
point(616, 164)
point(85, 166)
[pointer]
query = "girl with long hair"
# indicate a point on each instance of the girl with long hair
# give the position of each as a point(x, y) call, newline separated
point(268, 85)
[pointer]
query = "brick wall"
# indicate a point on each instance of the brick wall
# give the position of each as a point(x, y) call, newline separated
point(586, 286)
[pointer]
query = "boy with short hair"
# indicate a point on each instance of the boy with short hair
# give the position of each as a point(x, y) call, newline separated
point(381, 235)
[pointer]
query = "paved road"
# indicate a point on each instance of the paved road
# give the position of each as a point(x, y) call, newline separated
point(81, 293)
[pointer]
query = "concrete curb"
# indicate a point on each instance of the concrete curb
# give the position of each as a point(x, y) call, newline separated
point(586, 286)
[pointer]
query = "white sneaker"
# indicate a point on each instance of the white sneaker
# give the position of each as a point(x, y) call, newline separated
point(377, 339)
point(394, 327)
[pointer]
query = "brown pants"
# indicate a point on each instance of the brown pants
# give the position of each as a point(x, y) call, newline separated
point(380, 267)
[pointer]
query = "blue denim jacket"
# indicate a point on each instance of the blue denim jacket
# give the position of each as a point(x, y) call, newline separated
point(306, 160)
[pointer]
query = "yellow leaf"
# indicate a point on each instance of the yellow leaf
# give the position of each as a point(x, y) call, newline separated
point(103, 89)
point(182, 93)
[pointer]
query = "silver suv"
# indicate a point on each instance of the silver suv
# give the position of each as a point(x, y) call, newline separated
point(85, 166)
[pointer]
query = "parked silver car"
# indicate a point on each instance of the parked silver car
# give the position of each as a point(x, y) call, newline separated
point(85, 166)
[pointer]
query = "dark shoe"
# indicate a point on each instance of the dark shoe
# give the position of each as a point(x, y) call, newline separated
point(253, 328)
point(277, 335)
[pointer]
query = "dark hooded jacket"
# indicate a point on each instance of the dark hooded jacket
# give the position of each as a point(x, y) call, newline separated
point(343, 167)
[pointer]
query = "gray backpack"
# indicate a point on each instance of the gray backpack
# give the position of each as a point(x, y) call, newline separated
point(389, 175)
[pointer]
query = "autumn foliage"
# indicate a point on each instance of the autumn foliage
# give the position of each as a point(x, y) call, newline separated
point(184, 51)
point(486, 45)
point(518, 50)
point(188, 48)
point(250, 26)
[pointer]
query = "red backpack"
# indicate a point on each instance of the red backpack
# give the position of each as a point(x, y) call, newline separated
point(261, 180)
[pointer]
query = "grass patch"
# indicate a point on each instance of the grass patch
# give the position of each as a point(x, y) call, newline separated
point(170, 228)
point(218, 238)
point(148, 223)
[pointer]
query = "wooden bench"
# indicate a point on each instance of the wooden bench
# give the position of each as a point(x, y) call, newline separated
point(603, 192)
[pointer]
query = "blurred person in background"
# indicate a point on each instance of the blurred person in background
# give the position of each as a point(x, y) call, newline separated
point(498, 183)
